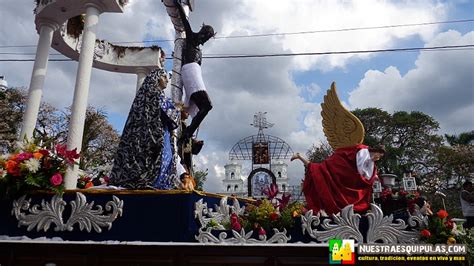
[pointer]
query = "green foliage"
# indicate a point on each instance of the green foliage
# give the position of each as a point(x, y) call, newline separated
point(464, 138)
point(100, 140)
point(441, 230)
point(410, 139)
point(12, 106)
point(319, 153)
point(200, 177)
point(267, 216)
point(411, 143)
point(468, 239)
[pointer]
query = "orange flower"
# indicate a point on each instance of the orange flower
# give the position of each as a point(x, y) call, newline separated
point(11, 166)
point(442, 214)
point(89, 184)
point(14, 156)
point(38, 155)
point(295, 214)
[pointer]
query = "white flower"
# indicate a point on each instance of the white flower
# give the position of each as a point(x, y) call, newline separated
point(455, 230)
point(5, 157)
point(20, 145)
point(32, 165)
point(3, 173)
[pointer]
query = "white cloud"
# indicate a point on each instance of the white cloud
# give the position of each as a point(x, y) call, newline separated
point(310, 15)
point(441, 85)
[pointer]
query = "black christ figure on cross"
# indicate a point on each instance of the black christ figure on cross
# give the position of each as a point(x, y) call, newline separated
point(197, 100)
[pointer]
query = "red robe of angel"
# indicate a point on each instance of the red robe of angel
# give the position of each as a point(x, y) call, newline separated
point(336, 182)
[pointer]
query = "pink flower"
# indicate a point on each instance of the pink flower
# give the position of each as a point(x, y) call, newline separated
point(449, 224)
point(85, 179)
point(234, 222)
point(69, 155)
point(271, 192)
point(56, 179)
point(234, 218)
point(61, 149)
point(261, 232)
point(44, 152)
point(283, 202)
point(236, 226)
point(24, 156)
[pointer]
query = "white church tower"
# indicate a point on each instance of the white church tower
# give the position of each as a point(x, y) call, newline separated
point(279, 170)
point(233, 182)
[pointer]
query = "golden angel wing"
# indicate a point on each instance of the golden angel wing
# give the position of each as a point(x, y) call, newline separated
point(341, 127)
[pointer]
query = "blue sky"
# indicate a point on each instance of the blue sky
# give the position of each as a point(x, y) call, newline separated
point(290, 89)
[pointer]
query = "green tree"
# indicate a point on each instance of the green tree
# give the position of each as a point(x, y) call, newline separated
point(12, 105)
point(100, 140)
point(49, 126)
point(320, 152)
point(455, 164)
point(409, 138)
point(464, 138)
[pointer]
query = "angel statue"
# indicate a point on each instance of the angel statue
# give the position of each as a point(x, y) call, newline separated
point(346, 177)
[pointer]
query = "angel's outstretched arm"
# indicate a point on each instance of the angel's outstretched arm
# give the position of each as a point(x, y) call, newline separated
point(301, 158)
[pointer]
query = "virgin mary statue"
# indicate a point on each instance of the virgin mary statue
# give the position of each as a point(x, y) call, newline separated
point(144, 159)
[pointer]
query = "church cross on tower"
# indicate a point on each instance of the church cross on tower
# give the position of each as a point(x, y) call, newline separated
point(260, 121)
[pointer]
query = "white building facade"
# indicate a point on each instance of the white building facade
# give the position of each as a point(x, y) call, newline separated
point(235, 183)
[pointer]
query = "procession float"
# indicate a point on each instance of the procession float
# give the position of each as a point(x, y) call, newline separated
point(50, 216)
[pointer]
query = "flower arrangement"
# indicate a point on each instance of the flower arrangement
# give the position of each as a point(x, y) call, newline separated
point(87, 181)
point(393, 200)
point(264, 215)
point(440, 229)
point(34, 167)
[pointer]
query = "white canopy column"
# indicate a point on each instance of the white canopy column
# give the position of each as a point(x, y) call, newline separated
point(81, 91)
point(46, 30)
point(141, 74)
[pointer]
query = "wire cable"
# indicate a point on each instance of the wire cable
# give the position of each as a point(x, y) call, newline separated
point(288, 33)
point(408, 49)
